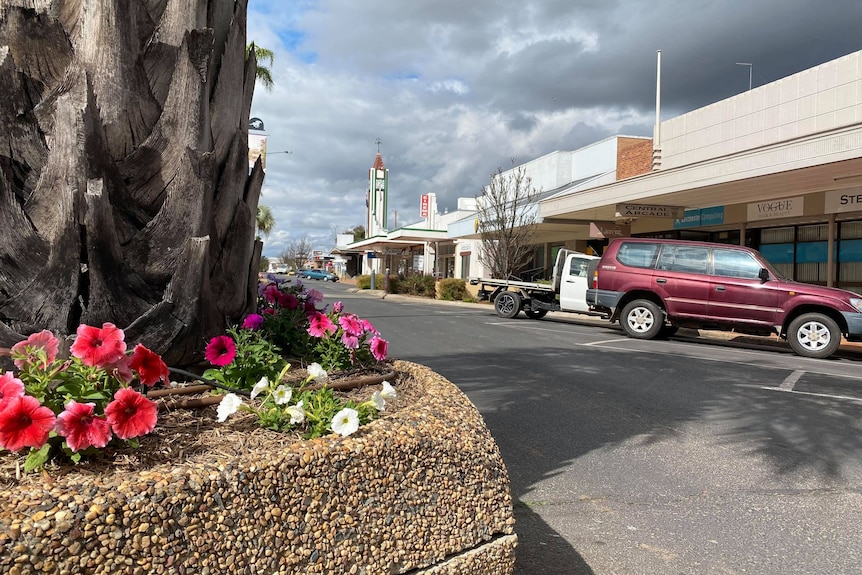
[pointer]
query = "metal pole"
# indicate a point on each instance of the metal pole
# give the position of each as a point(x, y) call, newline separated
point(750, 71)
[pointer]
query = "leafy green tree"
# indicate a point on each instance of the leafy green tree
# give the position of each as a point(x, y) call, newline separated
point(264, 221)
point(264, 71)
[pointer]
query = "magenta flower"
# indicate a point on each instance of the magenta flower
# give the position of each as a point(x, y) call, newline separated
point(38, 350)
point(271, 293)
point(320, 325)
point(253, 322)
point(131, 414)
point(81, 428)
point(338, 307)
point(379, 347)
point(221, 350)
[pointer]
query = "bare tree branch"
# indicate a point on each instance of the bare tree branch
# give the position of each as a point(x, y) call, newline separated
point(508, 211)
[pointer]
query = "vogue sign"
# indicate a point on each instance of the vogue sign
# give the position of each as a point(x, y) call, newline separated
point(774, 209)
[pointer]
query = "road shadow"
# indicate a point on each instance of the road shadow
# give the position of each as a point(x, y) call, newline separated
point(545, 418)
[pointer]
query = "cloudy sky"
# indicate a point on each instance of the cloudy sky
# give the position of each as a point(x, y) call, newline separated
point(455, 89)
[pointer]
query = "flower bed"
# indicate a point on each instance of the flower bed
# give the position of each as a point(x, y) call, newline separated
point(422, 490)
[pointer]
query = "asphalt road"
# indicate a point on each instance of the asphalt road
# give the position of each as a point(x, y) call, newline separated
point(686, 456)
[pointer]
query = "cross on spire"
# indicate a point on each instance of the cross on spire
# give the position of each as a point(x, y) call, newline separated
point(378, 141)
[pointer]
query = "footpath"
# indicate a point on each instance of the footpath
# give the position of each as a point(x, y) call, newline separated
point(849, 350)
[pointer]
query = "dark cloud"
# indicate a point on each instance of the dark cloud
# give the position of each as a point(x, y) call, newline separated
point(456, 89)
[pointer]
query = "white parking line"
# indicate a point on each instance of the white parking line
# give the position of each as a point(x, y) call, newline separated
point(619, 339)
point(790, 380)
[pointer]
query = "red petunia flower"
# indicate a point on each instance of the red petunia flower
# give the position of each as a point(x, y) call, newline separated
point(379, 348)
point(99, 346)
point(38, 350)
point(288, 300)
point(10, 386)
point(221, 350)
point(149, 365)
point(320, 325)
point(81, 428)
point(131, 414)
point(24, 422)
point(271, 293)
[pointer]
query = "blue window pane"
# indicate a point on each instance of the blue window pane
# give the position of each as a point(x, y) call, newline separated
point(811, 252)
point(777, 253)
point(850, 251)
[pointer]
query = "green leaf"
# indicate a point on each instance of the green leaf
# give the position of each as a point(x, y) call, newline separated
point(37, 458)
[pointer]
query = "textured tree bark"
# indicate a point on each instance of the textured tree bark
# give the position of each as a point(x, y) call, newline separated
point(125, 193)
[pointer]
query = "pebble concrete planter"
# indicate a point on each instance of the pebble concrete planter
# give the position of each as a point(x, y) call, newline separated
point(423, 490)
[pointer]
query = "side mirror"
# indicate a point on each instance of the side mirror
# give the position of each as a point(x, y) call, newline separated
point(763, 274)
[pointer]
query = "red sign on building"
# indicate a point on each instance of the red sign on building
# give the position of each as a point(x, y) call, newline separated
point(423, 206)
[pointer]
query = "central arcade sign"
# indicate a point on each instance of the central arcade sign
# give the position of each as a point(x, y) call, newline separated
point(649, 211)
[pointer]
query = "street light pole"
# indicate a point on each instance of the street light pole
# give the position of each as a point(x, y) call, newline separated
point(750, 70)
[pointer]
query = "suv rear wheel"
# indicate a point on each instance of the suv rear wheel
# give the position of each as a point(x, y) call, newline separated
point(814, 335)
point(642, 319)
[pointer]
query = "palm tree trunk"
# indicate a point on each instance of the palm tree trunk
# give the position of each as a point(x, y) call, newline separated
point(124, 182)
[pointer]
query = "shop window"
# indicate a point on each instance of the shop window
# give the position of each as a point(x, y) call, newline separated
point(465, 266)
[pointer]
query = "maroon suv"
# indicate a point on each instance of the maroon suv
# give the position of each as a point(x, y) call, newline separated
point(653, 287)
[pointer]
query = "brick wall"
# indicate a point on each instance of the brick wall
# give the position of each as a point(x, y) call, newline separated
point(634, 157)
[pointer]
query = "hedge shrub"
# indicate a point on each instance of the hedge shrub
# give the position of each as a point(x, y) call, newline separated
point(452, 289)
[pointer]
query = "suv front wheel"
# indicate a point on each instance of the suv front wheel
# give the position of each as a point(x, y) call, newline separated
point(642, 319)
point(814, 335)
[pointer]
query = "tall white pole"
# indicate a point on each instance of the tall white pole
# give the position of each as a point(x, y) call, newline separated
point(656, 144)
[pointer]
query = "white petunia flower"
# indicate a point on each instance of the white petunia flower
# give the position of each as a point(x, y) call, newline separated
point(228, 406)
point(260, 387)
point(388, 391)
point(282, 394)
point(377, 401)
point(345, 422)
point(297, 414)
point(315, 371)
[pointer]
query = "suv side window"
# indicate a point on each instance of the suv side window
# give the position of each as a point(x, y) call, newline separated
point(638, 255)
point(735, 264)
point(688, 259)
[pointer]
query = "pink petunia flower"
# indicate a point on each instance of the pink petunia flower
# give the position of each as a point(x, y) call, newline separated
point(221, 350)
point(320, 325)
point(121, 369)
point(350, 341)
point(366, 325)
point(81, 428)
point(252, 321)
point(38, 350)
point(24, 422)
point(99, 346)
point(10, 386)
point(149, 365)
point(338, 307)
point(379, 347)
point(351, 324)
point(131, 414)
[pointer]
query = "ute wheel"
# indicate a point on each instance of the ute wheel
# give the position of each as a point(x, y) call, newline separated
point(642, 319)
point(507, 304)
point(536, 313)
point(814, 335)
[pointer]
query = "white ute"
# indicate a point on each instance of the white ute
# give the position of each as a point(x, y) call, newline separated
point(566, 292)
